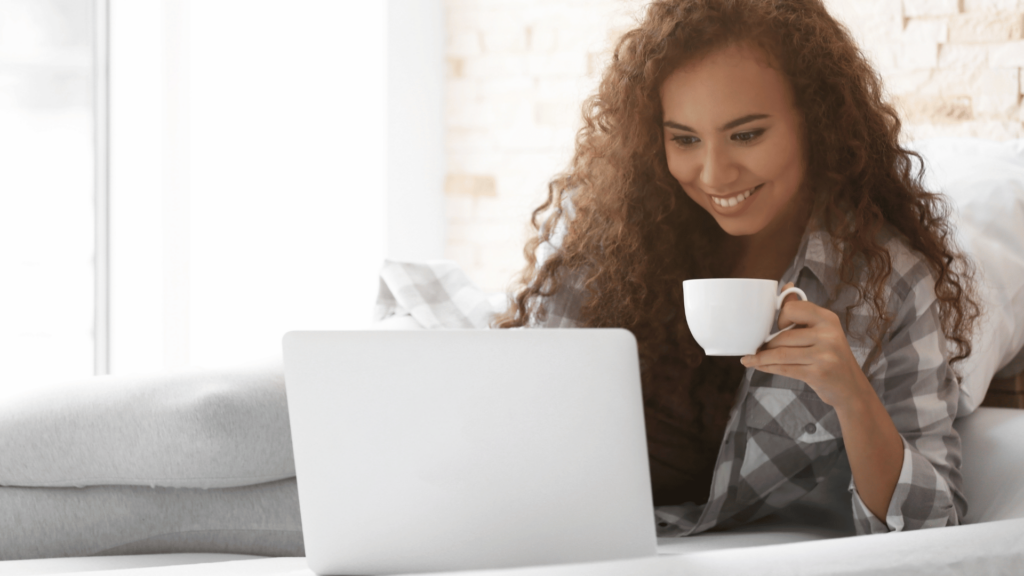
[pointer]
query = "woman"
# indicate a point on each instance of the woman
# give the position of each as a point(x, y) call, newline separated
point(749, 138)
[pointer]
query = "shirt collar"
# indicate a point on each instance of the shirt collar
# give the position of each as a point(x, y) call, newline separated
point(817, 255)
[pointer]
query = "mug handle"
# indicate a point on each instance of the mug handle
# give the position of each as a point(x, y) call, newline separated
point(778, 306)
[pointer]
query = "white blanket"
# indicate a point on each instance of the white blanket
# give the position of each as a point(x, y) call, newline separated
point(802, 543)
point(990, 548)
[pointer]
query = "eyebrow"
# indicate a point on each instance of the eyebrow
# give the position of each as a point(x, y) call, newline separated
point(727, 126)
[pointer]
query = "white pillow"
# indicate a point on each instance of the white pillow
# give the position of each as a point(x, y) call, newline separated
point(201, 428)
point(985, 181)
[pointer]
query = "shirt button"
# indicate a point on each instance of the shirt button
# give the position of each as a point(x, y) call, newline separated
point(810, 428)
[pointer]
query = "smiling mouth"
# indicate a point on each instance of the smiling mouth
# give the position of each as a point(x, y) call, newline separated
point(736, 199)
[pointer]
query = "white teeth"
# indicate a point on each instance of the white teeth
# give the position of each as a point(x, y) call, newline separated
point(734, 200)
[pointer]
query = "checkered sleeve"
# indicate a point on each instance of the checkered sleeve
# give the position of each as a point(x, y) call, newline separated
point(436, 293)
point(919, 390)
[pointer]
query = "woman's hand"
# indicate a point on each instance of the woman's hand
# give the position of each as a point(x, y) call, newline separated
point(816, 352)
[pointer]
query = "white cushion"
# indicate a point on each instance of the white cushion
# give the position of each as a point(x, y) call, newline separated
point(262, 519)
point(993, 453)
point(200, 428)
point(985, 180)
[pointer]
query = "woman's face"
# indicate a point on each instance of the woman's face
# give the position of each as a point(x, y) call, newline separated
point(734, 139)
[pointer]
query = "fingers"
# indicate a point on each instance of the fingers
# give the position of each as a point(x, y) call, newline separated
point(775, 356)
point(789, 297)
point(803, 312)
point(795, 337)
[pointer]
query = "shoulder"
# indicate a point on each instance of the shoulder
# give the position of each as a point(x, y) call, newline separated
point(559, 228)
point(911, 282)
point(910, 279)
point(906, 294)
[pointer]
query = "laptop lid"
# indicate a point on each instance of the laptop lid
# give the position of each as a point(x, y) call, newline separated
point(420, 451)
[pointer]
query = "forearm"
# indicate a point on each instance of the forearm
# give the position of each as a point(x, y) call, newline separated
point(874, 448)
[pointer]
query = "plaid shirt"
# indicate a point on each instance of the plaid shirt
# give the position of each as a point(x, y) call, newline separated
point(781, 440)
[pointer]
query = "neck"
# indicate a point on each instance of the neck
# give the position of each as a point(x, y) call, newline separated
point(768, 253)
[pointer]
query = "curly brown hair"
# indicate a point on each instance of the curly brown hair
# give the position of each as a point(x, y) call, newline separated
point(636, 235)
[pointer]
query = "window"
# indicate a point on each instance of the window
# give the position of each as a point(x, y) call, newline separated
point(247, 175)
point(184, 181)
point(47, 154)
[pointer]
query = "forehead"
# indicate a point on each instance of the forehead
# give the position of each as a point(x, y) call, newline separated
point(728, 83)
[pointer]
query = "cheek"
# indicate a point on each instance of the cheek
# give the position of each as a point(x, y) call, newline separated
point(781, 162)
point(682, 170)
point(680, 166)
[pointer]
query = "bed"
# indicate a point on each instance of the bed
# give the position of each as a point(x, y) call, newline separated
point(215, 464)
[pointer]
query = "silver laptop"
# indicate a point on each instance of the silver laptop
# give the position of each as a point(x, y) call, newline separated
point(424, 451)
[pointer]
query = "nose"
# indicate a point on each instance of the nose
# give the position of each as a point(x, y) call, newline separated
point(718, 170)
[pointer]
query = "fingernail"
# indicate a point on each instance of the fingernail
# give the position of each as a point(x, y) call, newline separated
point(746, 360)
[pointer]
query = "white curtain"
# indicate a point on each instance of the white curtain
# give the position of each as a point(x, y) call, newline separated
point(248, 185)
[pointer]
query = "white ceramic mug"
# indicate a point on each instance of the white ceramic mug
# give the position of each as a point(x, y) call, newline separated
point(733, 316)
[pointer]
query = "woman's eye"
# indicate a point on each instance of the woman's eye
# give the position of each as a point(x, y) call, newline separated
point(747, 136)
point(685, 140)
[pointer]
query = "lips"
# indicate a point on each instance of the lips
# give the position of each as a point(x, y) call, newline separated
point(733, 200)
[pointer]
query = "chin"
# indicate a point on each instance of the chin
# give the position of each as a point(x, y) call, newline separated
point(733, 228)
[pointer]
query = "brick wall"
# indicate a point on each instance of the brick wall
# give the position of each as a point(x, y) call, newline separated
point(953, 67)
point(517, 71)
